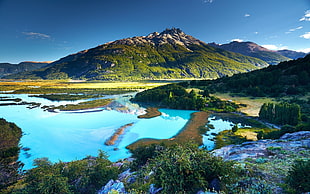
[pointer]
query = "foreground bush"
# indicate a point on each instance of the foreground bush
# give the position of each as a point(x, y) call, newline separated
point(298, 178)
point(81, 176)
point(10, 135)
point(187, 169)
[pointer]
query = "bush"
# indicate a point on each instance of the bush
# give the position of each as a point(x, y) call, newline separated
point(188, 169)
point(299, 176)
point(235, 128)
point(81, 176)
point(144, 153)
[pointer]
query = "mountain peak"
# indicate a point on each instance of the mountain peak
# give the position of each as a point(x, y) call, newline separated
point(172, 31)
point(168, 36)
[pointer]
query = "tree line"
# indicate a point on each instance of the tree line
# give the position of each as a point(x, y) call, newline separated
point(282, 113)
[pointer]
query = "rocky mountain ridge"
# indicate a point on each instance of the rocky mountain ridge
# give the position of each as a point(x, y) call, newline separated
point(169, 36)
point(254, 50)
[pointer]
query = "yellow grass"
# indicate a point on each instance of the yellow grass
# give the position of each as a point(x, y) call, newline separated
point(249, 135)
point(6, 85)
point(253, 104)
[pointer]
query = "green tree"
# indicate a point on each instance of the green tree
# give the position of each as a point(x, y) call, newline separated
point(283, 113)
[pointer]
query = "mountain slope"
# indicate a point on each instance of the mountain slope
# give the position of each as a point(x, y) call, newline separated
point(253, 50)
point(287, 78)
point(169, 54)
point(291, 54)
point(8, 68)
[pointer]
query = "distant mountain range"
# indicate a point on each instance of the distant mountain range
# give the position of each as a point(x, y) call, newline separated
point(254, 50)
point(169, 54)
point(8, 68)
point(292, 54)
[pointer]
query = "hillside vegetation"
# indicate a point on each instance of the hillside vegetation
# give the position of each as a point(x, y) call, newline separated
point(165, 55)
point(10, 135)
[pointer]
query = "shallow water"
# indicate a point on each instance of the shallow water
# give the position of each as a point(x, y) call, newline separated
point(68, 136)
point(219, 125)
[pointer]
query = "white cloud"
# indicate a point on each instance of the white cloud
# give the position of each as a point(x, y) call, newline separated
point(306, 17)
point(255, 32)
point(236, 40)
point(270, 46)
point(208, 1)
point(306, 50)
point(294, 29)
point(306, 35)
point(36, 35)
point(274, 47)
point(247, 15)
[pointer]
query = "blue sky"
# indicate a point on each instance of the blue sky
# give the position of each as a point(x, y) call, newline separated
point(46, 30)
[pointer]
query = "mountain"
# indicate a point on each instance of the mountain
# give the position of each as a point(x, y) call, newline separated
point(289, 78)
point(8, 68)
point(169, 54)
point(253, 50)
point(292, 54)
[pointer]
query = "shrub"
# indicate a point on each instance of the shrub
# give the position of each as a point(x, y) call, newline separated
point(188, 169)
point(144, 153)
point(299, 176)
point(234, 128)
point(81, 176)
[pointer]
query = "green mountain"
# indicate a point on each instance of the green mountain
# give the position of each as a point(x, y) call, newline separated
point(169, 54)
point(8, 68)
point(287, 78)
point(254, 50)
point(287, 82)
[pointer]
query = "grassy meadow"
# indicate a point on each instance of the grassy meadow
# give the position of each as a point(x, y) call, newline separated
point(252, 104)
point(44, 86)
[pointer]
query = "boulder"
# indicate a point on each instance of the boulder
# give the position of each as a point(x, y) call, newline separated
point(296, 136)
point(113, 186)
point(255, 149)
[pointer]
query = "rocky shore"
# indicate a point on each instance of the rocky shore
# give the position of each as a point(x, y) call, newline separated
point(292, 142)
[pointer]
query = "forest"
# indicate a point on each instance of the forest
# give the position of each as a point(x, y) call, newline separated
point(177, 97)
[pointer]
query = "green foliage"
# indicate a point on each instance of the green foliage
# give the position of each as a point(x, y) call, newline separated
point(298, 177)
point(234, 129)
point(288, 82)
point(283, 113)
point(276, 134)
point(143, 154)
point(81, 176)
point(188, 169)
point(175, 96)
point(10, 136)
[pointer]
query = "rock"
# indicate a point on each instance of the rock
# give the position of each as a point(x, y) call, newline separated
point(113, 186)
point(291, 142)
point(296, 136)
point(118, 164)
point(153, 189)
point(124, 175)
